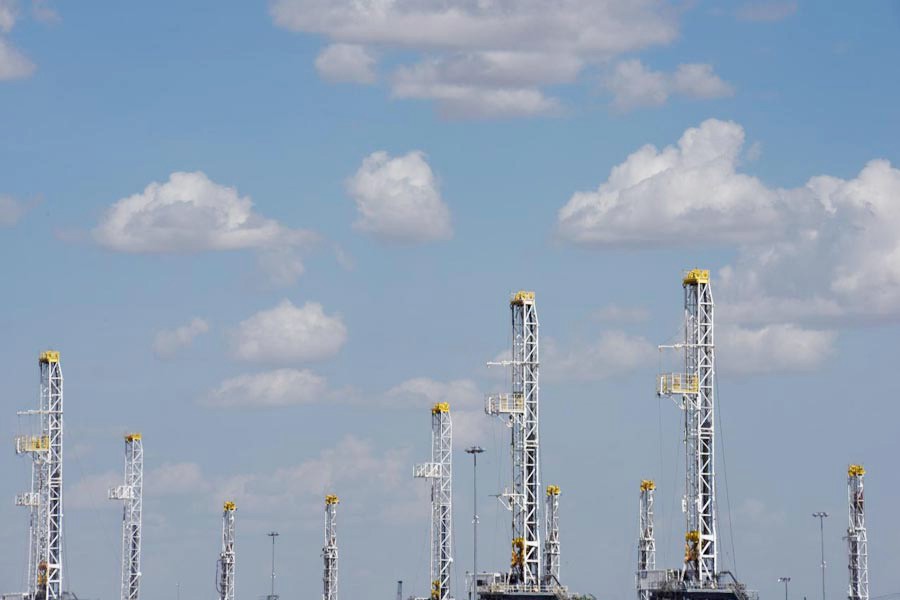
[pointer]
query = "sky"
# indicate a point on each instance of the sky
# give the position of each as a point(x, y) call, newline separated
point(269, 236)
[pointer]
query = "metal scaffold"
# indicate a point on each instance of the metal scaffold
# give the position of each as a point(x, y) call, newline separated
point(330, 550)
point(440, 472)
point(857, 544)
point(131, 492)
point(551, 544)
point(44, 501)
point(646, 537)
point(225, 579)
point(520, 406)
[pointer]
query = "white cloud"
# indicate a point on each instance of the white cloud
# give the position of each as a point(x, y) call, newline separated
point(190, 213)
point(466, 52)
point(773, 348)
point(281, 264)
point(470, 424)
point(281, 387)
point(9, 13)
point(288, 334)
point(398, 198)
point(346, 63)
point(11, 210)
point(634, 86)
point(613, 353)
point(622, 314)
point(168, 342)
point(13, 64)
point(766, 10)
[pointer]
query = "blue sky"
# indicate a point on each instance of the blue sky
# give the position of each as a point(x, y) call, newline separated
point(269, 236)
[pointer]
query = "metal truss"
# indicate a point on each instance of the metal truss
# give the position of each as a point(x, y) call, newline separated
point(857, 544)
point(131, 492)
point(646, 538)
point(330, 550)
point(551, 544)
point(225, 580)
point(440, 472)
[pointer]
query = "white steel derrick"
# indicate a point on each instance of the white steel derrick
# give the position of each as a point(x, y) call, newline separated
point(857, 544)
point(551, 544)
point(521, 406)
point(131, 493)
point(330, 550)
point(440, 472)
point(646, 537)
point(225, 580)
point(49, 566)
point(696, 386)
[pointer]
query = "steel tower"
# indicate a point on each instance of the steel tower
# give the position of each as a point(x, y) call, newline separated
point(49, 567)
point(37, 447)
point(330, 550)
point(439, 470)
point(551, 544)
point(646, 538)
point(225, 583)
point(696, 388)
point(132, 493)
point(856, 535)
point(521, 406)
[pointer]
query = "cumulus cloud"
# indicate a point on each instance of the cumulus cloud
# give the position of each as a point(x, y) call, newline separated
point(766, 11)
point(773, 348)
point(11, 210)
point(470, 424)
point(398, 198)
point(634, 86)
point(346, 63)
point(466, 52)
point(13, 64)
point(281, 387)
point(168, 342)
point(611, 354)
point(289, 334)
point(9, 13)
point(190, 213)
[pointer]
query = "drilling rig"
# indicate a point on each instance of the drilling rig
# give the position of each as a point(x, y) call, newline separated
point(131, 493)
point(551, 544)
point(330, 550)
point(225, 579)
point(700, 577)
point(646, 537)
point(857, 544)
point(45, 498)
point(440, 472)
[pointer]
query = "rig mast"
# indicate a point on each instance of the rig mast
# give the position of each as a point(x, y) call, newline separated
point(225, 583)
point(521, 406)
point(856, 535)
point(551, 544)
point(696, 388)
point(132, 493)
point(646, 538)
point(439, 470)
point(37, 446)
point(330, 550)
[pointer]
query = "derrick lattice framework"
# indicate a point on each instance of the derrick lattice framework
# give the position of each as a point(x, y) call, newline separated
point(225, 582)
point(521, 407)
point(131, 492)
point(695, 385)
point(440, 472)
point(551, 544)
point(330, 550)
point(646, 537)
point(857, 544)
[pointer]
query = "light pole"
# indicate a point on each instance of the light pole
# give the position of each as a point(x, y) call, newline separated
point(821, 516)
point(474, 451)
point(273, 535)
point(785, 581)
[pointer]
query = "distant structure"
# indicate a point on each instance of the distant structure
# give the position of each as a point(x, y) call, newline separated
point(646, 537)
point(440, 472)
point(45, 498)
point(225, 580)
point(857, 543)
point(700, 577)
point(330, 550)
point(551, 544)
point(131, 492)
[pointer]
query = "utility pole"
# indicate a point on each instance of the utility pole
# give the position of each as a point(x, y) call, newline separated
point(273, 535)
point(785, 581)
point(821, 516)
point(474, 451)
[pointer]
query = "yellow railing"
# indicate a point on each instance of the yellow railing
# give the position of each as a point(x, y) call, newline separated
point(677, 383)
point(32, 443)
